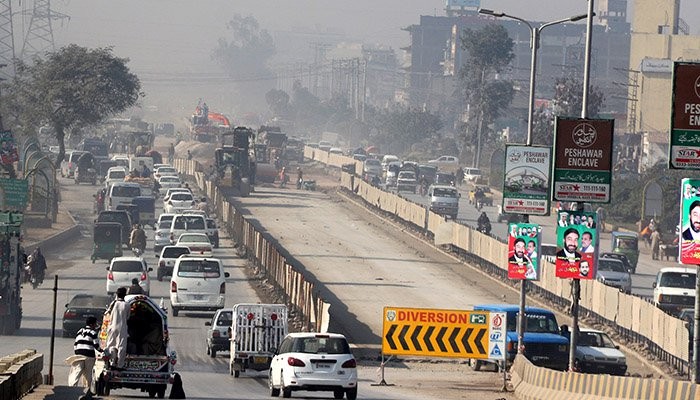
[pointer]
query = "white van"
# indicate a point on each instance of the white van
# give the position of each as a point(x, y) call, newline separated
point(70, 162)
point(197, 284)
point(122, 193)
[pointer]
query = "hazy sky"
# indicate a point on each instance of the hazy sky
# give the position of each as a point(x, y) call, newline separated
point(177, 36)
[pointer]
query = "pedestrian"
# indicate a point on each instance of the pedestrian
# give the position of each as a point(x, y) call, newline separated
point(85, 345)
point(655, 244)
point(189, 155)
point(117, 330)
point(460, 176)
point(135, 288)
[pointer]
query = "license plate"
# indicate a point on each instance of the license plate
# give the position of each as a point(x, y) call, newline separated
point(197, 297)
point(260, 360)
point(323, 366)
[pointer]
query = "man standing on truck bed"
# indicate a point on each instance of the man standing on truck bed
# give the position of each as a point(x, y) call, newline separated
point(117, 331)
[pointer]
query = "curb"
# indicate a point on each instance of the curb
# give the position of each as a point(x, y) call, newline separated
point(55, 239)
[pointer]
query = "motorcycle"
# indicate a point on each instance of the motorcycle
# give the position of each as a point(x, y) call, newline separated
point(34, 279)
point(484, 228)
point(137, 251)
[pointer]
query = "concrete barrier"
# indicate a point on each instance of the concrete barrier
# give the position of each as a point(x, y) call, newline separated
point(20, 373)
point(536, 383)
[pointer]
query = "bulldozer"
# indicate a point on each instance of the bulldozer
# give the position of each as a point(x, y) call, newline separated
point(234, 161)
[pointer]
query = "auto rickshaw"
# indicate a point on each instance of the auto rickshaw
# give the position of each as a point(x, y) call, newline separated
point(107, 241)
point(146, 206)
point(626, 243)
point(85, 169)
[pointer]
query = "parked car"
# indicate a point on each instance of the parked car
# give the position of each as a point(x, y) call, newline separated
point(446, 163)
point(197, 284)
point(79, 308)
point(197, 242)
point(612, 272)
point(314, 362)
point(166, 261)
point(674, 289)
point(217, 331)
point(123, 269)
point(597, 353)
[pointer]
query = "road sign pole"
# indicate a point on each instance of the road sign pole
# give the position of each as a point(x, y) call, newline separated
point(522, 318)
point(576, 294)
point(382, 382)
point(696, 330)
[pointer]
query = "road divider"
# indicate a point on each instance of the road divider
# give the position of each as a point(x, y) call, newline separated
point(20, 373)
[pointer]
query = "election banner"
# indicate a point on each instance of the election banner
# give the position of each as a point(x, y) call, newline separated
point(690, 222)
point(582, 160)
point(684, 144)
point(524, 251)
point(8, 148)
point(527, 179)
point(577, 244)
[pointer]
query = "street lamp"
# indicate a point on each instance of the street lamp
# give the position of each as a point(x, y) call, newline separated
point(534, 45)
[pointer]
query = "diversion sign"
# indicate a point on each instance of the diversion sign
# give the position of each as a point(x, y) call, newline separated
point(583, 160)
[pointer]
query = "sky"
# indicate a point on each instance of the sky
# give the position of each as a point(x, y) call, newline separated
point(168, 41)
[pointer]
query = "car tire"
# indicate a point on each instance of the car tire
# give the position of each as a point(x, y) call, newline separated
point(236, 374)
point(351, 393)
point(274, 392)
point(475, 364)
point(286, 392)
point(338, 394)
point(212, 353)
point(175, 311)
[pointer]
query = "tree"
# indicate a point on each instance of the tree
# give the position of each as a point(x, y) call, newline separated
point(488, 52)
point(567, 102)
point(71, 88)
point(399, 130)
point(278, 101)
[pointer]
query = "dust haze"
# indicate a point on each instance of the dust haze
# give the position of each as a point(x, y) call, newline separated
point(170, 42)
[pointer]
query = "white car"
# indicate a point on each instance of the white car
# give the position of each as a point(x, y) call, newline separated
point(372, 167)
point(178, 202)
point(168, 182)
point(162, 232)
point(168, 256)
point(674, 289)
point(218, 330)
point(472, 175)
point(166, 171)
point(122, 270)
point(114, 174)
point(596, 353)
point(314, 362)
point(198, 284)
point(445, 163)
point(170, 191)
point(197, 242)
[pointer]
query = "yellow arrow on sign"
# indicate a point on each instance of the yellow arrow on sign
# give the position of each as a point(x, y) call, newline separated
point(435, 333)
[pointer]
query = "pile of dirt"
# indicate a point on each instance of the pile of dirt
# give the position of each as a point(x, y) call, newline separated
point(202, 152)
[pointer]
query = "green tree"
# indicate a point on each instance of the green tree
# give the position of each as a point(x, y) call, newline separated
point(488, 52)
point(399, 130)
point(71, 88)
point(567, 102)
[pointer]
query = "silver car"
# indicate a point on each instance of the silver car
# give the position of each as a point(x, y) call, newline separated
point(596, 353)
point(162, 235)
point(612, 272)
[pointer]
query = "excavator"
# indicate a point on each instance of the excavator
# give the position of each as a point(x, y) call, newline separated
point(234, 161)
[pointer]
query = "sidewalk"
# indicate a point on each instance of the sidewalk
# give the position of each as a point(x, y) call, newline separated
point(64, 228)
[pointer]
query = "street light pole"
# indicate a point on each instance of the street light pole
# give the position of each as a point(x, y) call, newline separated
point(534, 45)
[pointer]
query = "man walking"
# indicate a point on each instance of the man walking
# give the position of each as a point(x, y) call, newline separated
point(85, 345)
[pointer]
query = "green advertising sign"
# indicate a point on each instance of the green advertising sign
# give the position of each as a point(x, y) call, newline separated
point(14, 194)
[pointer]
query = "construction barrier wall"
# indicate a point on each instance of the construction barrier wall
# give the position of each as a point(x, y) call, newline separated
point(20, 373)
point(300, 293)
point(632, 317)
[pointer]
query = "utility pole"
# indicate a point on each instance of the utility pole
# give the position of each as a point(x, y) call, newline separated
point(39, 37)
point(7, 42)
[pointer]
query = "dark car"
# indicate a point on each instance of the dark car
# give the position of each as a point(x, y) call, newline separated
point(621, 257)
point(79, 308)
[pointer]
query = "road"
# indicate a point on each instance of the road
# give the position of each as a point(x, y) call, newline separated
point(646, 268)
point(208, 378)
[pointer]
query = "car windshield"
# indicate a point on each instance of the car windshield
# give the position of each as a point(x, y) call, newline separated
point(120, 174)
point(407, 175)
point(189, 222)
point(373, 162)
point(112, 217)
point(127, 266)
point(126, 191)
point(677, 280)
point(164, 225)
point(175, 252)
point(627, 243)
point(170, 179)
point(319, 344)
point(611, 265)
point(166, 170)
point(440, 192)
point(595, 339)
point(90, 301)
point(181, 197)
point(540, 323)
point(198, 269)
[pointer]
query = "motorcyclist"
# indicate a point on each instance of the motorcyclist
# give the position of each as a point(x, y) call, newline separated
point(138, 238)
point(37, 265)
point(484, 223)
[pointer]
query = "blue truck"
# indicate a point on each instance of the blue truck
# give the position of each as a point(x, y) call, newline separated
point(545, 345)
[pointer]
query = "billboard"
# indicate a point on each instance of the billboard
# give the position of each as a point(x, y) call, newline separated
point(583, 160)
point(526, 182)
point(684, 148)
point(524, 251)
point(577, 244)
point(8, 148)
point(690, 222)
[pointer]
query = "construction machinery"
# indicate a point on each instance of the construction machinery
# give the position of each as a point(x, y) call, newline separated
point(234, 161)
point(207, 125)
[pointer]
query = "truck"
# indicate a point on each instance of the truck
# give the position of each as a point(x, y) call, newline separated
point(256, 333)
point(10, 278)
point(546, 343)
point(205, 125)
point(275, 143)
point(236, 158)
point(150, 362)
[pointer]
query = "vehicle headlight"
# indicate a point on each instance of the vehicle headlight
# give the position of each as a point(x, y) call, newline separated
point(622, 360)
point(625, 278)
point(588, 357)
point(601, 278)
point(562, 348)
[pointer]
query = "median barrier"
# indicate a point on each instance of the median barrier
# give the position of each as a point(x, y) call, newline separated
point(537, 383)
point(632, 317)
point(20, 373)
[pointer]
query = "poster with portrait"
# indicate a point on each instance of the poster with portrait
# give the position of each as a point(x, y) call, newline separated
point(8, 148)
point(690, 222)
point(524, 251)
point(577, 244)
